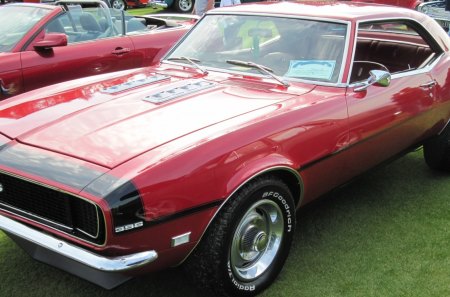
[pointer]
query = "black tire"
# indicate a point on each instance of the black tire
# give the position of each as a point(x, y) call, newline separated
point(436, 151)
point(119, 4)
point(215, 265)
point(183, 6)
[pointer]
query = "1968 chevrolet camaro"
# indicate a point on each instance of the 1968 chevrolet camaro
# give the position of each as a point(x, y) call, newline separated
point(203, 159)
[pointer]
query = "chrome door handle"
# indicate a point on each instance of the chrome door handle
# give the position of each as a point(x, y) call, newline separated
point(428, 84)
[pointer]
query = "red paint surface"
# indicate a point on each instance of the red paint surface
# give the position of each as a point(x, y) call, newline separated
point(202, 147)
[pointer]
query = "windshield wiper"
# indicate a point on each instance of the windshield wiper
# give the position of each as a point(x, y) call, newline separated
point(262, 68)
point(193, 62)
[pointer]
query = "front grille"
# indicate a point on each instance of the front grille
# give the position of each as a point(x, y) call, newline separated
point(53, 208)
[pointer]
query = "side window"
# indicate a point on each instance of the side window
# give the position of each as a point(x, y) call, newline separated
point(393, 46)
point(83, 24)
point(59, 25)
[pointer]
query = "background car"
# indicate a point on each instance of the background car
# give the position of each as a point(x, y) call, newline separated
point(185, 6)
point(203, 159)
point(43, 44)
point(125, 4)
point(137, 3)
point(439, 11)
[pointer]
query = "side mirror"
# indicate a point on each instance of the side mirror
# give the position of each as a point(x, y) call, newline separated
point(51, 40)
point(379, 78)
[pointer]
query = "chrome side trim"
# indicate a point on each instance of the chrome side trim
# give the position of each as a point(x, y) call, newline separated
point(285, 168)
point(445, 127)
point(115, 264)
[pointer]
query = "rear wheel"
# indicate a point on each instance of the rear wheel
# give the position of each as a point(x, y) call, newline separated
point(437, 151)
point(246, 246)
point(183, 5)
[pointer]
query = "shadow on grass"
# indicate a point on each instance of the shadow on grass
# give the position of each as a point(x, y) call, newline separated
point(385, 234)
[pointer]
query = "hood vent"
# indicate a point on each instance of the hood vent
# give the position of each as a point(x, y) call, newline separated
point(180, 91)
point(134, 83)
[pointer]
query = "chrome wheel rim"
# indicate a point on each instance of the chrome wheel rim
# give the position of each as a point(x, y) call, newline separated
point(257, 240)
point(185, 5)
point(118, 4)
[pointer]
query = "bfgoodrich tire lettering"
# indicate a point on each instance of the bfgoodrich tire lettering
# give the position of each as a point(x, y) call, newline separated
point(246, 246)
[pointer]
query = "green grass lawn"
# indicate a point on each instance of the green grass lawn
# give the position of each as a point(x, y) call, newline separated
point(146, 10)
point(386, 234)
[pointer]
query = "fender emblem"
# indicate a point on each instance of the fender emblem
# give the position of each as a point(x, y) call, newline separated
point(1, 188)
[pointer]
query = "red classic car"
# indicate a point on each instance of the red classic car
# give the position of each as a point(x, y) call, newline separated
point(43, 44)
point(203, 159)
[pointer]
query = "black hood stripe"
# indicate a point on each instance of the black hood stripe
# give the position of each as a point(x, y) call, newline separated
point(48, 165)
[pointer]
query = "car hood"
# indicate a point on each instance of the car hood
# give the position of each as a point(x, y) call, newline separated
point(112, 121)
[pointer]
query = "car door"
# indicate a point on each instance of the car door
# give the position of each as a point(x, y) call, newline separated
point(94, 47)
point(10, 74)
point(385, 121)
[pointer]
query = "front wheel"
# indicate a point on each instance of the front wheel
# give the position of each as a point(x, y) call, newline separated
point(119, 4)
point(246, 246)
point(183, 5)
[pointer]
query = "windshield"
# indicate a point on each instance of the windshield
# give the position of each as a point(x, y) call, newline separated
point(15, 23)
point(292, 48)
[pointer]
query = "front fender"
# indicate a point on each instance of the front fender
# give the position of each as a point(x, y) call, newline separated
point(251, 168)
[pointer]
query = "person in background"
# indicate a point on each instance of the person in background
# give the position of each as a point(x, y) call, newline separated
point(202, 6)
point(229, 2)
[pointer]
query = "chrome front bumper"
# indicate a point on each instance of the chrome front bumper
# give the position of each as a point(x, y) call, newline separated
point(104, 271)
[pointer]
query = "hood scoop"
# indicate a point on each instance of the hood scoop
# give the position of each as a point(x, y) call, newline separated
point(179, 91)
point(134, 84)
